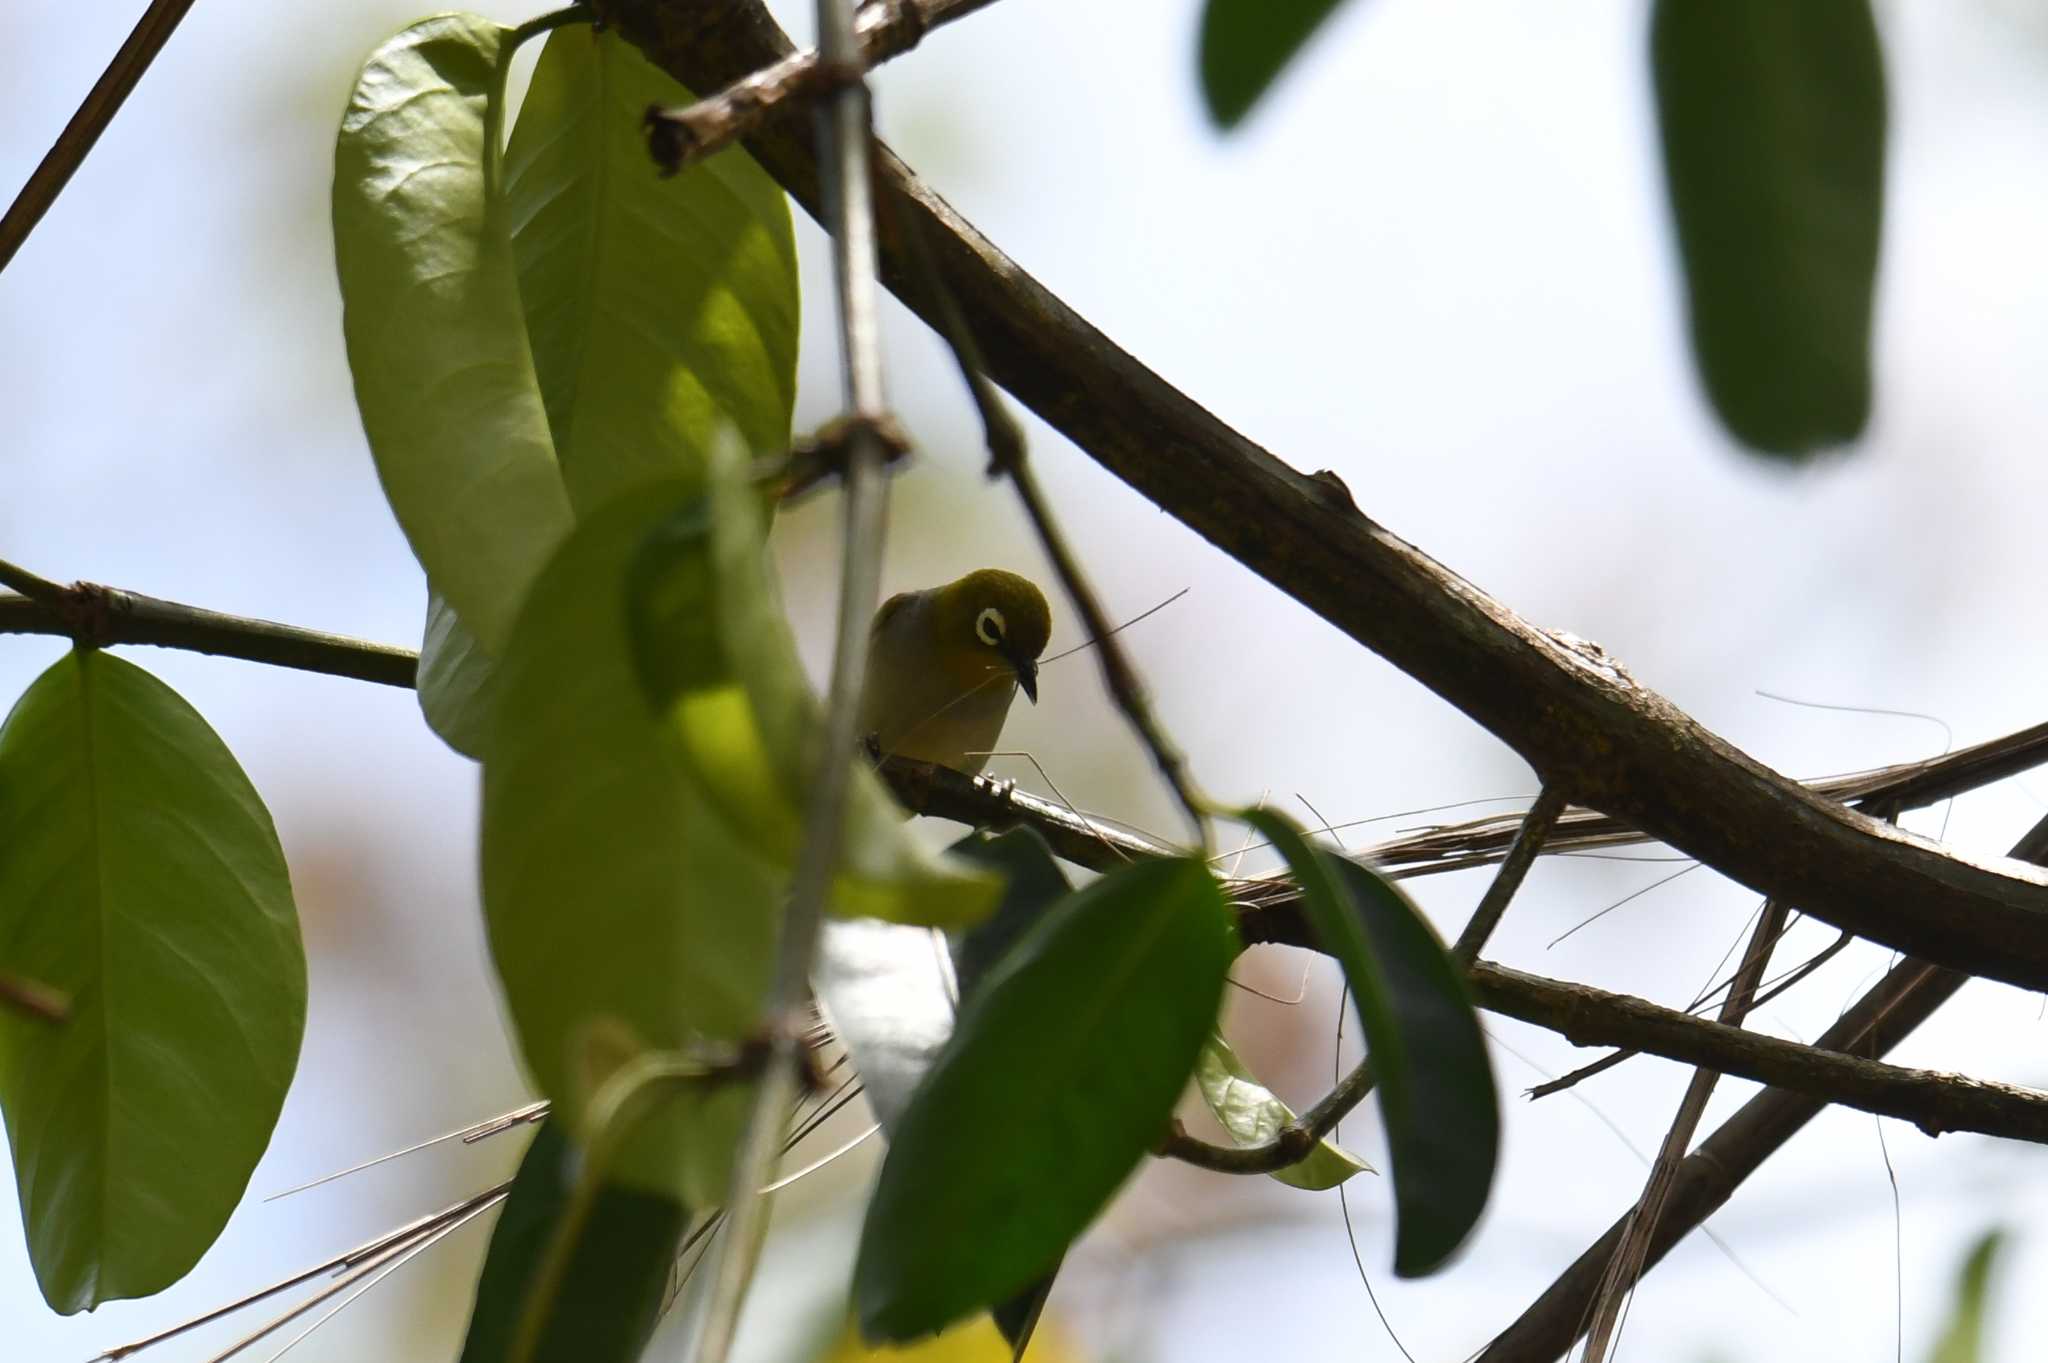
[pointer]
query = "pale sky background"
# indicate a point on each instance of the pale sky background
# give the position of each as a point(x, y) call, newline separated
point(1437, 262)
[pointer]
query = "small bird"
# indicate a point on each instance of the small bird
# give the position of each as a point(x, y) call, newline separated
point(945, 663)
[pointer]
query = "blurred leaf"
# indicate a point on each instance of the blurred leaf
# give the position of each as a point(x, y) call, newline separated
point(457, 681)
point(1032, 883)
point(1246, 44)
point(1962, 1338)
point(1436, 1092)
point(431, 315)
point(660, 310)
point(1253, 1116)
point(623, 910)
point(611, 1294)
point(1773, 118)
point(1062, 1073)
point(141, 876)
point(716, 655)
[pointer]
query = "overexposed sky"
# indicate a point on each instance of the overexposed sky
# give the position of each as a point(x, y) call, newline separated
point(1436, 261)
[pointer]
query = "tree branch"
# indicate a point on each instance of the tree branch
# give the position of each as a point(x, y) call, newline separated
point(1573, 713)
point(1906, 997)
point(104, 100)
point(95, 617)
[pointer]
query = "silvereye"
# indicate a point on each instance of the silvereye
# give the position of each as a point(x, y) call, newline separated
point(945, 663)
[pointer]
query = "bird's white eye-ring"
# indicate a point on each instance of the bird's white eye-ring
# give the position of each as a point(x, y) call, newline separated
point(989, 626)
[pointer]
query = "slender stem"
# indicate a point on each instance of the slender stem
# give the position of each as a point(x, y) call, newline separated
point(1007, 455)
point(35, 999)
point(72, 146)
point(1535, 831)
point(845, 139)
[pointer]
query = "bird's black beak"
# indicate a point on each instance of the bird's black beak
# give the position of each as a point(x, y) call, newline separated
point(1027, 675)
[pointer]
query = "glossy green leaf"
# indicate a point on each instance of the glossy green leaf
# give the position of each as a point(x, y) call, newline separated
point(623, 909)
point(716, 655)
point(1773, 119)
point(1252, 1115)
point(431, 314)
point(661, 311)
point(1246, 44)
point(611, 1293)
point(1032, 883)
point(457, 681)
point(1436, 1092)
point(139, 875)
point(1962, 1337)
point(1062, 1073)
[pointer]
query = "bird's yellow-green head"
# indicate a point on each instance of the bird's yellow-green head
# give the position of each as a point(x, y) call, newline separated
point(991, 615)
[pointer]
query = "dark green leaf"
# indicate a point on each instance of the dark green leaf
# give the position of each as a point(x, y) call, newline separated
point(1962, 1338)
point(1252, 1115)
point(661, 310)
point(1436, 1090)
point(1246, 44)
point(139, 875)
point(611, 1294)
point(1032, 883)
point(1062, 1073)
point(1773, 118)
point(431, 315)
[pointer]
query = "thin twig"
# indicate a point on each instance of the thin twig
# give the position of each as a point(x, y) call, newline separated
point(1008, 456)
point(147, 39)
point(34, 998)
point(1521, 855)
point(1627, 1265)
point(683, 135)
point(844, 144)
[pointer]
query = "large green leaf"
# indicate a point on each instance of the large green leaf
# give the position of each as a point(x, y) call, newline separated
point(623, 910)
point(140, 875)
point(1252, 1115)
point(1962, 1336)
point(611, 1292)
point(716, 655)
point(1062, 1073)
point(1436, 1090)
point(660, 310)
point(1246, 44)
point(431, 315)
point(1773, 117)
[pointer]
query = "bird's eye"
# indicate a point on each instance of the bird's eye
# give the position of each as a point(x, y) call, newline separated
point(988, 626)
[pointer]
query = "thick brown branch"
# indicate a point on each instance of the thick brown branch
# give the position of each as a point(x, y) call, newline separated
point(1568, 709)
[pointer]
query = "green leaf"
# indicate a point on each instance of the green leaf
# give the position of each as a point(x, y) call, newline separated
point(610, 1295)
point(716, 656)
point(432, 319)
point(1062, 1073)
point(1773, 119)
point(660, 310)
point(1246, 44)
point(1436, 1091)
point(1962, 1338)
point(1252, 1115)
point(141, 876)
point(623, 910)
point(457, 681)
point(1032, 883)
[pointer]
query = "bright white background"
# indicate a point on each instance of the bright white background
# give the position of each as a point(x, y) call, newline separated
point(1436, 262)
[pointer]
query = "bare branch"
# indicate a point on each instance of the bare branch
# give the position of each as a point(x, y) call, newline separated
point(147, 39)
